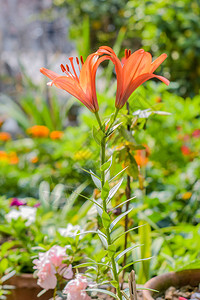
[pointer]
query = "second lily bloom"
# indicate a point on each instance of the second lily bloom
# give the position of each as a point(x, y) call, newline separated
point(137, 68)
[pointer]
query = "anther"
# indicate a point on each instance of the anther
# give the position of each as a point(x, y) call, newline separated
point(77, 60)
point(81, 57)
point(78, 63)
point(67, 68)
point(63, 68)
point(129, 52)
point(126, 53)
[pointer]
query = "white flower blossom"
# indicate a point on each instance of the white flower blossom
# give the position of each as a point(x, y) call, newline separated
point(25, 212)
point(70, 230)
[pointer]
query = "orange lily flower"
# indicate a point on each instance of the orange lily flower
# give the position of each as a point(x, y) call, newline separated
point(83, 86)
point(137, 68)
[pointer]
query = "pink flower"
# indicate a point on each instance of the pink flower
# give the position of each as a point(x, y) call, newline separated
point(16, 202)
point(49, 264)
point(75, 289)
point(46, 277)
point(56, 255)
point(65, 271)
point(196, 133)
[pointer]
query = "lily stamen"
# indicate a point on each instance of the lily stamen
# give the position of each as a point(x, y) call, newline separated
point(72, 65)
point(77, 61)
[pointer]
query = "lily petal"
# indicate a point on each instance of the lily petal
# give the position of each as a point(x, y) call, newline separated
point(157, 62)
point(72, 87)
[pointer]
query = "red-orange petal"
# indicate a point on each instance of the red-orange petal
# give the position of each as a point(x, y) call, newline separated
point(72, 87)
point(50, 74)
point(157, 62)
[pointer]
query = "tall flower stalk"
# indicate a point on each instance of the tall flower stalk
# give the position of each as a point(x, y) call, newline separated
point(105, 213)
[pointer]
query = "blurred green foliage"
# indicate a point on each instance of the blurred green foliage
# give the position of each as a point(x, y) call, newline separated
point(172, 27)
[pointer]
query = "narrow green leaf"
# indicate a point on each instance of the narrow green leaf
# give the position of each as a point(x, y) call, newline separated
point(132, 263)
point(114, 128)
point(103, 239)
point(125, 251)
point(71, 200)
point(105, 191)
point(111, 250)
point(91, 231)
point(147, 289)
point(114, 190)
point(83, 265)
point(99, 210)
point(92, 200)
point(105, 220)
point(125, 296)
point(114, 283)
point(145, 251)
point(41, 293)
point(98, 135)
point(103, 291)
point(118, 174)
point(126, 232)
point(105, 166)
point(115, 221)
point(96, 180)
point(8, 276)
point(123, 203)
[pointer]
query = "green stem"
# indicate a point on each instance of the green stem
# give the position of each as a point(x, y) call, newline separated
point(54, 293)
point(107, 231)
point(98, 120)
point(128, 196)
point(113, 263)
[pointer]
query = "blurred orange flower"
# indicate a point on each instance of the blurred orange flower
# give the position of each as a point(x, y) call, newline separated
point(137, 68)
point(83, 86)
point(5, 136)
point(34, 160)
point(38, 131)
point(11, 158)
point(141, 158)
point(56, 135)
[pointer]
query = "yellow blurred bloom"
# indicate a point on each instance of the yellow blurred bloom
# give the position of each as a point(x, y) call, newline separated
point(82, 154)
point(186, 195)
